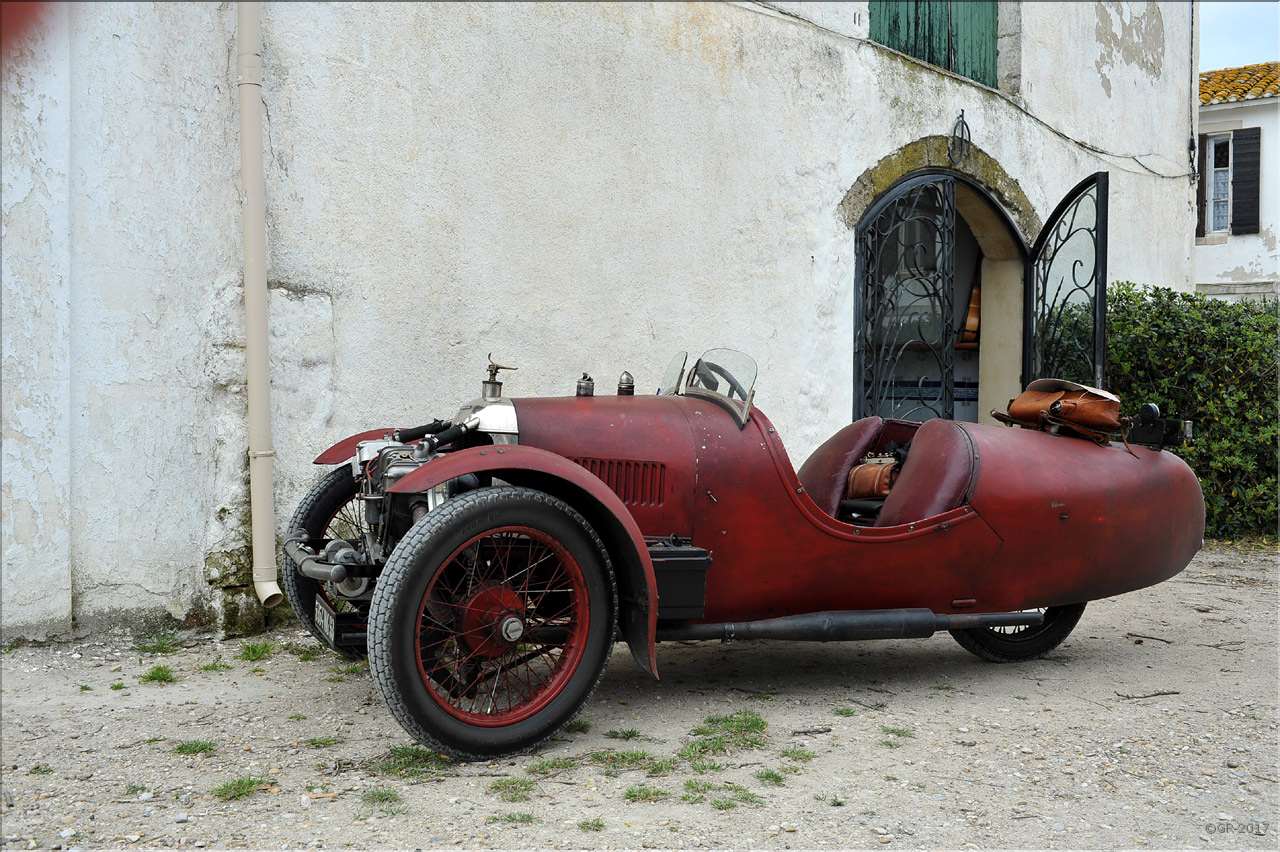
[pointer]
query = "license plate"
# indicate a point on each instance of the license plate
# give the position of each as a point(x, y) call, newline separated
point(324, 618)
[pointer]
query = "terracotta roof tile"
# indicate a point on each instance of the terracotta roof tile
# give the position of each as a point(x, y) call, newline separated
point(1248, 83)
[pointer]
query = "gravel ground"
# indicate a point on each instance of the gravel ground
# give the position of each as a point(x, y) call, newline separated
point(1153, 726)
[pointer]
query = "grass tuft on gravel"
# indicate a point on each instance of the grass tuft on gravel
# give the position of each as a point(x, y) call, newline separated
point(239, 788)
point(253, 651)
point(771, 776)
point(194, 747)
point(324, 742)
point(624, 734)
point(158, 674)
point(381, 796)
point(411, 762)
point(644, 793)
point(162, 642)
point(512, 789)
point(521, 818)
point(548, 765)
point(216, 666)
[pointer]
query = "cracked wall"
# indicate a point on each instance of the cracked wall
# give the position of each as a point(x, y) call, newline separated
point(574, 187)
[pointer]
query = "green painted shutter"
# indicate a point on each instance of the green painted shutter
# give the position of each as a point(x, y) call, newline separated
point(974, 37)
point(958, 36)
point(933, 33)
point(890, 25)
point(919, 29)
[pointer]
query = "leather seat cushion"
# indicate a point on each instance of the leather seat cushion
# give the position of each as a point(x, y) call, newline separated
point(825, 474)
point(937, 476)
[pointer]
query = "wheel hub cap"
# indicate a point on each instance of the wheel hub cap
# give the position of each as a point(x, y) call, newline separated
point(512, 628)
point(492, 621)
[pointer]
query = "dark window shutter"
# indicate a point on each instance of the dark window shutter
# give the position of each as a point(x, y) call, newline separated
point(1246, 158)
point(1200, 184)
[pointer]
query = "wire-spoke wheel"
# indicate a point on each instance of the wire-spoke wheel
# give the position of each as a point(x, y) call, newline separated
point(1015, 644)
point(330, 510)
point(492, 622)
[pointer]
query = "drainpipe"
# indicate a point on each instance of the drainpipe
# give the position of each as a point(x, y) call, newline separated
point(262, 514)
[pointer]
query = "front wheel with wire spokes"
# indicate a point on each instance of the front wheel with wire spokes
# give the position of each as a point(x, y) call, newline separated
point(492, 622)
point(1015, 644)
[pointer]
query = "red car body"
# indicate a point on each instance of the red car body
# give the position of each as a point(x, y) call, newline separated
point(982, 523)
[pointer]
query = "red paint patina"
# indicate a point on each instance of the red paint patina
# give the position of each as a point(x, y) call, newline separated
point(1000, 535)
point(640, 446)
point(1005, 545)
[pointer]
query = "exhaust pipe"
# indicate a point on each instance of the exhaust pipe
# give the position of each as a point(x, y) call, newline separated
point(311, 564)
point(848, 626)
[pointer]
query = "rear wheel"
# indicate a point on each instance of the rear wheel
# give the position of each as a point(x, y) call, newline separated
point(330, 510)
point(492, 622)
point(1015, 644)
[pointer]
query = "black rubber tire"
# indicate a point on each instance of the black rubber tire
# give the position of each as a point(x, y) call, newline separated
point(1026, 643)
point(426, 551)
point(315, 514)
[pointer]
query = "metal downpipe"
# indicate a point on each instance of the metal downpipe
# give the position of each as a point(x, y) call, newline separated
point(262, 514)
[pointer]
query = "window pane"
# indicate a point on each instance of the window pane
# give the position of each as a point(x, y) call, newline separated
point(1221, 154)
point(1220, 183)
point(1219, 215)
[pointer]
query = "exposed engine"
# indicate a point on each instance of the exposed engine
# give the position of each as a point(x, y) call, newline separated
point(348, 566)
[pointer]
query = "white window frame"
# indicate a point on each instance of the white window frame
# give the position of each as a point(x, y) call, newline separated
point(1211, 143)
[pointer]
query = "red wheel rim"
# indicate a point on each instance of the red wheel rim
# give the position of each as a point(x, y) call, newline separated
point(502, 626)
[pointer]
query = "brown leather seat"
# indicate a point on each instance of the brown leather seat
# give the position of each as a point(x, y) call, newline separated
point(825, 474)
point(938, 475)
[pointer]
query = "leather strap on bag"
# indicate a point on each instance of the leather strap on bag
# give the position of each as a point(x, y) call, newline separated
point(1067, 408)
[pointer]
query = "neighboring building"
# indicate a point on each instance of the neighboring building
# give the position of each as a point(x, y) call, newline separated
point(1238, 195)
point(570, 187)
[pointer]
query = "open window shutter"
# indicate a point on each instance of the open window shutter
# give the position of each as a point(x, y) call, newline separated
point(1246, 147)
point(892, 23)
point(933, 33)
point(974, 34)
point(1200, 184)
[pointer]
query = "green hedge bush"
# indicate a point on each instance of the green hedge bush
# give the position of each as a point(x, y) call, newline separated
point(1215, 363)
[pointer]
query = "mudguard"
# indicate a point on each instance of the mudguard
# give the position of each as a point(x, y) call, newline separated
point(346, 448)
point(554, 474)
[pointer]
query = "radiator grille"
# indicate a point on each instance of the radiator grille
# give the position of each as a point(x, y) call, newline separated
point(637, 483)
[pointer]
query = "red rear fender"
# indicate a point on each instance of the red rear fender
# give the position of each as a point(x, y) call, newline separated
point(346, 448)
point(554, 474)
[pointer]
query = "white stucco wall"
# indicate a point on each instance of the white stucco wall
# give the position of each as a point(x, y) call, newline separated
point(579, 187)
point(1233, 266)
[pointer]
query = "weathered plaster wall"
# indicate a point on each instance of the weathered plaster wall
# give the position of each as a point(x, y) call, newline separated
point(1126, 92)
point(35, 268)
point(573, 187)
point(1234, 266)
point(113, 298)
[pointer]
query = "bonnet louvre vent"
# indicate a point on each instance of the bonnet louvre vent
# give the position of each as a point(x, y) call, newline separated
point(637, 483)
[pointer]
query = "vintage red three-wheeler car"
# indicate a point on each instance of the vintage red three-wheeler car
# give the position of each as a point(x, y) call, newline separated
point(489, 563)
